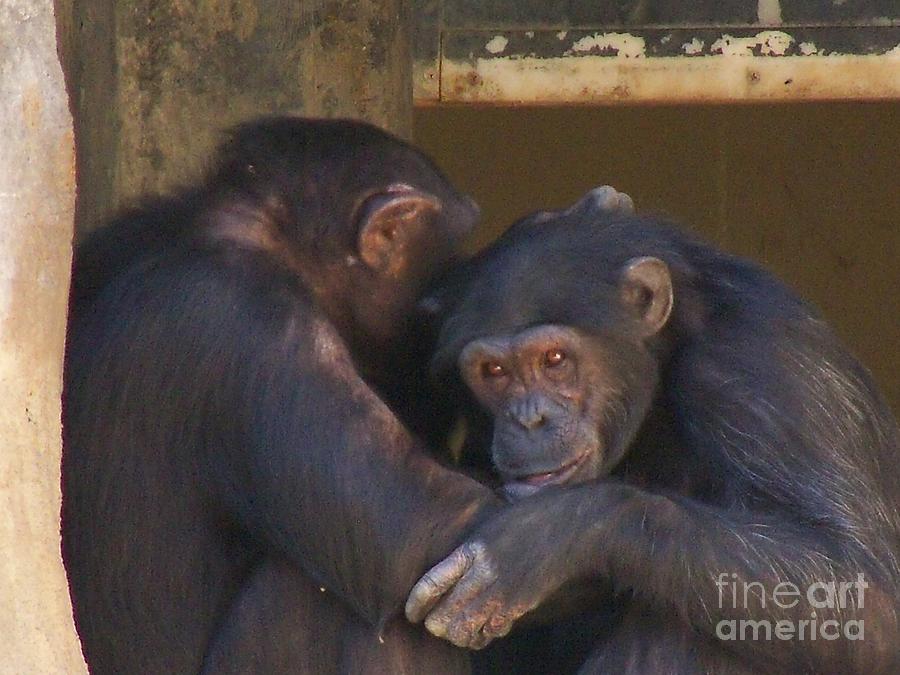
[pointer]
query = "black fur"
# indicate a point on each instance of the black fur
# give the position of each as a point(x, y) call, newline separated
point(224, 456)
point(768, 453)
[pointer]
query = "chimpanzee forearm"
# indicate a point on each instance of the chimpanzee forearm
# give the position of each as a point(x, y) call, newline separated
point(366, 537)
point(337, 484)
point(717, 568)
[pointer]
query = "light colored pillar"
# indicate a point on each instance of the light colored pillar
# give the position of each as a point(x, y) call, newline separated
point(36, 211)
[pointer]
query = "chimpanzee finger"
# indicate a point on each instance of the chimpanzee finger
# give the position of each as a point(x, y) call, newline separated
point(437, 581)
point(478, 624)
point(464, 632)
point(485, 636)
point(463, 609)
point(496, 627)
point(468, 624)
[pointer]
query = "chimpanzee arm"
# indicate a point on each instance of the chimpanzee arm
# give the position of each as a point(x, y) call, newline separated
point(678, 556)
point(807, 510)
point(305, 457)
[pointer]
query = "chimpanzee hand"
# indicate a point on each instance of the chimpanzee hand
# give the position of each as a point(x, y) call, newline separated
point(503, 571)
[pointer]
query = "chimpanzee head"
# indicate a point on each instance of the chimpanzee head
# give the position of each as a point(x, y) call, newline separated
point(559, 329)
point(365, 219)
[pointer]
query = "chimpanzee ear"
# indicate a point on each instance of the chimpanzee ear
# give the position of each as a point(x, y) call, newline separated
point(646, 285)
point(388, 223)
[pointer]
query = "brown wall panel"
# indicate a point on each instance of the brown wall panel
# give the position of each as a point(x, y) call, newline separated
point(811, 191)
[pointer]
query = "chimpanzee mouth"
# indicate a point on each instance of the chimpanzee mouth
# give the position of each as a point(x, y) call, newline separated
point(522, 486)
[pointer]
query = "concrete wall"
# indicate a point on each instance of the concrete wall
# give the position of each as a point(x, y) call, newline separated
point(809, 190)
point(37, 195)
point(154, 82)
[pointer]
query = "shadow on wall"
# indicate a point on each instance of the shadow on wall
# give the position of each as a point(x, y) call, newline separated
point(809, 190)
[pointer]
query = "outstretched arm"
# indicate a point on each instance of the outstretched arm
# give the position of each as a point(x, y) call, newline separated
point(677, 555)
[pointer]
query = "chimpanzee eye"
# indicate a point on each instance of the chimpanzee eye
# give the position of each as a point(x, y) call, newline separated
point(554, 358)
point(492, 369)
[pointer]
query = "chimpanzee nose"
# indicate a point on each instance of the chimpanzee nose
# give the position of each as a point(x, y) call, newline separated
point(528, 413)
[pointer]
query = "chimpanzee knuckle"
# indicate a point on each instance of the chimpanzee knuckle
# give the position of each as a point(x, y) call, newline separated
point(483, 638)
point(472, 550)
point(498, 625)
point(483, 565)
point(428, 584)
point(450, 570)
point(604, 195)
point(437, 625)
point(456, 605)
point(471, 589)
point(463, 633)
point(460, 641)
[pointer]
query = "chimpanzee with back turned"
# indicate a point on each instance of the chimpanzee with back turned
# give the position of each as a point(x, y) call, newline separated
point(222, 426)
point(673, 421)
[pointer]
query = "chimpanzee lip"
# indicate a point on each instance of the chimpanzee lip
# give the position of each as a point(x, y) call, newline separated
point(559, 475)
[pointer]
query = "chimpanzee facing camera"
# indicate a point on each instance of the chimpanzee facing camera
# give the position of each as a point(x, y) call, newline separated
point(674, 422)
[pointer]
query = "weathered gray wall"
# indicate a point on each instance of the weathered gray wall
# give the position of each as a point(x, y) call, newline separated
point(36, 205)
point(809, 190)
point(155, 81)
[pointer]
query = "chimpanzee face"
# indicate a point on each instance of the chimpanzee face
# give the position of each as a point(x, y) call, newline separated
point(552, 391)
point(561, 346)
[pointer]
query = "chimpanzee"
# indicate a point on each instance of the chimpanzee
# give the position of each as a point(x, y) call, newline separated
point(222, 421)
point(672, 421)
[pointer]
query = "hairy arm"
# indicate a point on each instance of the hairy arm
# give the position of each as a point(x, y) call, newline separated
point(805, 511)
point(308, 459)
point(676, 554)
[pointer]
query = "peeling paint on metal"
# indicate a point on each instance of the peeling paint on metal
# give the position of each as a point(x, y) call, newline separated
point(604, 80)
point(623, 45)
point(808, 48)
point(670, 64)
point(769, 43)
point(497, 44)
point(693, 47)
